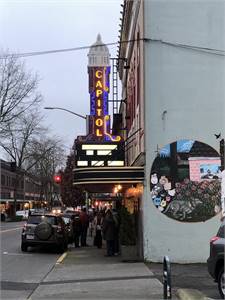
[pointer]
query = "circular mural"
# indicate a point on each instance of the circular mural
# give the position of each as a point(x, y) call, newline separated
point(185, 181)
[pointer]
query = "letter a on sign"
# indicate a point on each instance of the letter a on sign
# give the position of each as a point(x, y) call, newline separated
point(99, 84)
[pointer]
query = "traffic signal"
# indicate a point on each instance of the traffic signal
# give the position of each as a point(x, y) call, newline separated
point(57, 179)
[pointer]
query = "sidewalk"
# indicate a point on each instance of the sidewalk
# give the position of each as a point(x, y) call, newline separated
point(85, 273)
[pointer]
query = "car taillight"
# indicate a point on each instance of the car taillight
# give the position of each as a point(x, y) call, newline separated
point(214, 238)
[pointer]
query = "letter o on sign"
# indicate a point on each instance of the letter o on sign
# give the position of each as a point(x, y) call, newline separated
point(99, 122)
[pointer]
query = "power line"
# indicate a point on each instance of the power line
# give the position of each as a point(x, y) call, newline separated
point(212, 51)
point(27, 54)
point(190, 47)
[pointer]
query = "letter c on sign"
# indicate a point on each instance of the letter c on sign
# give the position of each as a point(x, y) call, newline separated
point(98, 74)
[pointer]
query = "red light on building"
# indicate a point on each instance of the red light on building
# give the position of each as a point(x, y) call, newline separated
point(57, 178)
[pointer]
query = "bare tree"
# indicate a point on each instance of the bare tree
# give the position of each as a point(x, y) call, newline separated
point(71, 195)
point(18, 90)
point(50, 158)
point(18, 144)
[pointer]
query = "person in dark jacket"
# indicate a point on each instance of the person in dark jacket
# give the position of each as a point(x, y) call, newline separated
point(109, 229)
point(117, 229)
point(84, 226)
point(97, 224)
point(76, 229)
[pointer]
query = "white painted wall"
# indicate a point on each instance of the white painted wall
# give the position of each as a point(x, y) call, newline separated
point(190, 86)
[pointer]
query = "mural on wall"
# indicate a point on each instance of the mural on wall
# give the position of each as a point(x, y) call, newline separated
point(185, 181)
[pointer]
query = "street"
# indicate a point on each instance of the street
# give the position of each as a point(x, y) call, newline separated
point(21, 272)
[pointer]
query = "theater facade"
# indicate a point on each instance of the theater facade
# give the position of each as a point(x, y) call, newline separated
point(101, 168)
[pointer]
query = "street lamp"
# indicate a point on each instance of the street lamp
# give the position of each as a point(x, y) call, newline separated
point(60, 108)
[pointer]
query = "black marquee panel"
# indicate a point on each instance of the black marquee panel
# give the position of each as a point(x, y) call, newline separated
point(104, 175)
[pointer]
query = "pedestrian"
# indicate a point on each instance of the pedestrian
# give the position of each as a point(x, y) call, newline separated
point(117, 229)
point(84, 226)
point(76, 229)
point(97, 223)
point(108, 230)
point(91, 223)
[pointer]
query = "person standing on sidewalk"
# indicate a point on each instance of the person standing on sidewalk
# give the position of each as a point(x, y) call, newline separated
point(97, 224)
point(108, 230)
point(76, 229)
point(116, 219)
point(84, 226)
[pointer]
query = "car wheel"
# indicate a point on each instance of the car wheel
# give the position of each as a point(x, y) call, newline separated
point(24, 247)
point(221, 282)
point(43, 231)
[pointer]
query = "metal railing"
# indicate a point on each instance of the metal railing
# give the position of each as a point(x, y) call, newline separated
point(166, 278)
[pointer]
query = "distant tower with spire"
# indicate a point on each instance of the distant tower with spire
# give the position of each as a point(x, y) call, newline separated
point(98, 55)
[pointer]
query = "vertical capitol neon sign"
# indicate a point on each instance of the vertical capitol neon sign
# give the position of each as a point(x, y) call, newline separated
point(99, 90)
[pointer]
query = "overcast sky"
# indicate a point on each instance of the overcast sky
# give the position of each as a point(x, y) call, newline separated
point(37, 25)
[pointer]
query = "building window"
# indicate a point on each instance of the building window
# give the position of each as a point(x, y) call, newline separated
point(3, 179)
point(7, 181)
point(13, 182)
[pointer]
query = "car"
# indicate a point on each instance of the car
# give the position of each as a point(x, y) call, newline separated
point(24, 213)
point(39, 210)
point(57, 210)
point(69, 210)
point(44, 230)
point(215, 261)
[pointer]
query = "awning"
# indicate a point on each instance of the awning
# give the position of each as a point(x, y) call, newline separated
point(104, 178)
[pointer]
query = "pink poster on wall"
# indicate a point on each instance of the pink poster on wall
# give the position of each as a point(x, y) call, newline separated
point(202, 168)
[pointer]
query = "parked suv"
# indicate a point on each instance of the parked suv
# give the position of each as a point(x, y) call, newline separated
point(44, 230)
point(216, 259)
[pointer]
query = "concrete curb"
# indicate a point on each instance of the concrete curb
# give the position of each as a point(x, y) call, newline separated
point(190, 294)
point(61, 258)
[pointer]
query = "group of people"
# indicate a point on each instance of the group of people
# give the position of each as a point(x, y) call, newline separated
point(103, 225)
